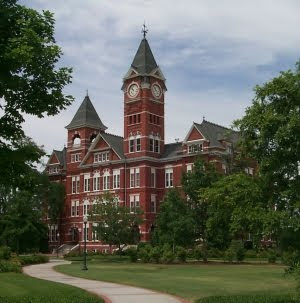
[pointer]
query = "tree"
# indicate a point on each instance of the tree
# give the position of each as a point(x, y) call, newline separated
point(271, 134)
point(115, 224)
point(174, 223)
point(29, 80)
point(235, 208)
point(203, 175)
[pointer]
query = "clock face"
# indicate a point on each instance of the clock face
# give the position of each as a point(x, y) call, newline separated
point(156, 90)
point(133, 90)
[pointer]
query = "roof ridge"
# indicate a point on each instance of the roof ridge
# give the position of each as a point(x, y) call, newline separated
point(113, 135)
point(174, 143)
point(217, 125)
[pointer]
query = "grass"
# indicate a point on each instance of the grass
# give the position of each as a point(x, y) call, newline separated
point(17, 285)
point(191, 281)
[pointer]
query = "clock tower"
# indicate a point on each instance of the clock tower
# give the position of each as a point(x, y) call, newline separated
point(144, 91)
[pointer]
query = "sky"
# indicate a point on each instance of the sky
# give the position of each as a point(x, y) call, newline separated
point(211, 52)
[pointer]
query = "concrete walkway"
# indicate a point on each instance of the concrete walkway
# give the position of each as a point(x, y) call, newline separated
point(110, 292)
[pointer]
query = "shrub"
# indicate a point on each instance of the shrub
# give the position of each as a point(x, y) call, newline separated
point(144, 255)
point(34, 259)
point(272, 257)
point(155, 254)
point(213, 252)
point(229, 255)
point(250, 253)
point(181, 254)
point(132, 254)
point(167, 256)
point(8, 266)
point(248, 299)
point(290, 257)
point(198, 253)
point(5, 253)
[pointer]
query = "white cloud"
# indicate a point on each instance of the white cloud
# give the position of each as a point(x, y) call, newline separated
point(194, 39)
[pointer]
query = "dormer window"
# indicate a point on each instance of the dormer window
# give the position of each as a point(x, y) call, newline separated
point(195, 148)
point(53, 170)
point(101, 157)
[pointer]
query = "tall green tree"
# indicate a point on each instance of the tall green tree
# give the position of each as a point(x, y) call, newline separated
point(270, 133)
point(115, 224)
point(235, 209)
point(202, 176)
point(175, 223)
point(30, 82)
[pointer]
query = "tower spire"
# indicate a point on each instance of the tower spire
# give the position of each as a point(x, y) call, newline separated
point(144, 30)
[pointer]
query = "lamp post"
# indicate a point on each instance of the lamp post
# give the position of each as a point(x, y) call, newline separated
point(85, 219)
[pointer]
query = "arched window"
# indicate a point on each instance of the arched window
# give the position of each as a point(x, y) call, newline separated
point(106, 177)
point(76, 140)
point(86, 207)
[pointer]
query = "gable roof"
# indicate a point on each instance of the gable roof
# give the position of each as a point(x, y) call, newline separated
point(61, 156)
point(116, 143)
point(144, 62)
point(172, 149)
point(86, 116)
point(216, 133)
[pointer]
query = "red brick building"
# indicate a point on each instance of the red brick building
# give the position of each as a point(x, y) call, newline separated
point(137, 168)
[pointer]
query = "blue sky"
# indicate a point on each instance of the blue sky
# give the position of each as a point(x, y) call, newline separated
point(212, 54)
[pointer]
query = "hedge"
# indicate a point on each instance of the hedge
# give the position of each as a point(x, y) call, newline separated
point(248, 299)
point(34, 259)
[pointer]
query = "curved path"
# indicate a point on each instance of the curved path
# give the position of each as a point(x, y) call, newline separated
point(110, 292)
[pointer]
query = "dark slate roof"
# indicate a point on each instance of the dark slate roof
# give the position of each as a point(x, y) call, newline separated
point(172, 150)
point(61, 156)
point(215, 133)
point(116, 142)
point(86, 116)
point(144, 62)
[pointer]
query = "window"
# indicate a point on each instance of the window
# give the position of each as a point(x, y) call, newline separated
point(152, 178)
point(134, 177)
point(137, 177)
point(53, 233)
point(156, 145)
point(194, 148)
point(75, 158)
point(86, 207)
point(87, 182)
point(138, 144)
point(133, 119)
point(53, 170)
point(131, 145)
point(153, 204)
point(249, 171)
point(106, 180)
point(101, 157)
point(95, 235)
point(85, 232)
point(189, 168)
point(224, 167)
point(116, 178)
point(151, 144)
point(169, 177)
point(134, 202)
point(96, 182)
point(75, 184)
point(74, 208)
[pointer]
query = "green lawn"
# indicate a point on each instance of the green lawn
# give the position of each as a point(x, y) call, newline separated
point(16, 286)
point(191, 281)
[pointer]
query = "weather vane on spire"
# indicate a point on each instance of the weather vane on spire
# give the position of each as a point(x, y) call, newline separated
point(144, 30)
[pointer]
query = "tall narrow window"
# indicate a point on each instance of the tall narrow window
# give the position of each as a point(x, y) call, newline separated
point(152, 179)
point(75, 184)
point(131, 177)
point(151, 144)
point(87, 182)
point(96, 182)
point(138, 144)
point(137, 177)
point(73, 208)
point(189, 168)
point(156, 145)
point(106, 177)
point(153, 203)
point(116, 178)
point(169, 177)
point(86, 207)
point(77, 208)
point(131, 145)
point(85, 232)
point(134, 202)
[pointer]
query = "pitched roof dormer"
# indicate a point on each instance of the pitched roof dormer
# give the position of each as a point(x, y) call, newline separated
point(86, 116)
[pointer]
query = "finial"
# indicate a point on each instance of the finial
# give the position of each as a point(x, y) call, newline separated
point(144, 30)
point(87, 92)
point(203, 118)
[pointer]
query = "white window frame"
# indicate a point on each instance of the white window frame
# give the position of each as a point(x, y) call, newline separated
point(153, 177)
point(116, 178)
point(151, 143)
point(75, 158)
point(75, 184)
point(86, 207)
point(96, 182)
point(131, 145)
point(169, 177)
point(189, 168)
point(85, 233)
point(137, 177)
point(153, 204)
point(132, 177)
point(87, 183)
point(134, 202)
point(138, 143)
point(106, 180)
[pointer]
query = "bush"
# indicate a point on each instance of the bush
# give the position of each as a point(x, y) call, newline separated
point(5, 253)
point(9, 266)
point(155, 254)
point(51, 299)
point(272, 257)
point(198, 253)
point(229, 255)
point(213, 252)
point(181, 254)
point(144, 255)
point(132, 254)
point(250, 253)
point(167, 256)
point(248, 299)
point(34, 259)
point(290, 257)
